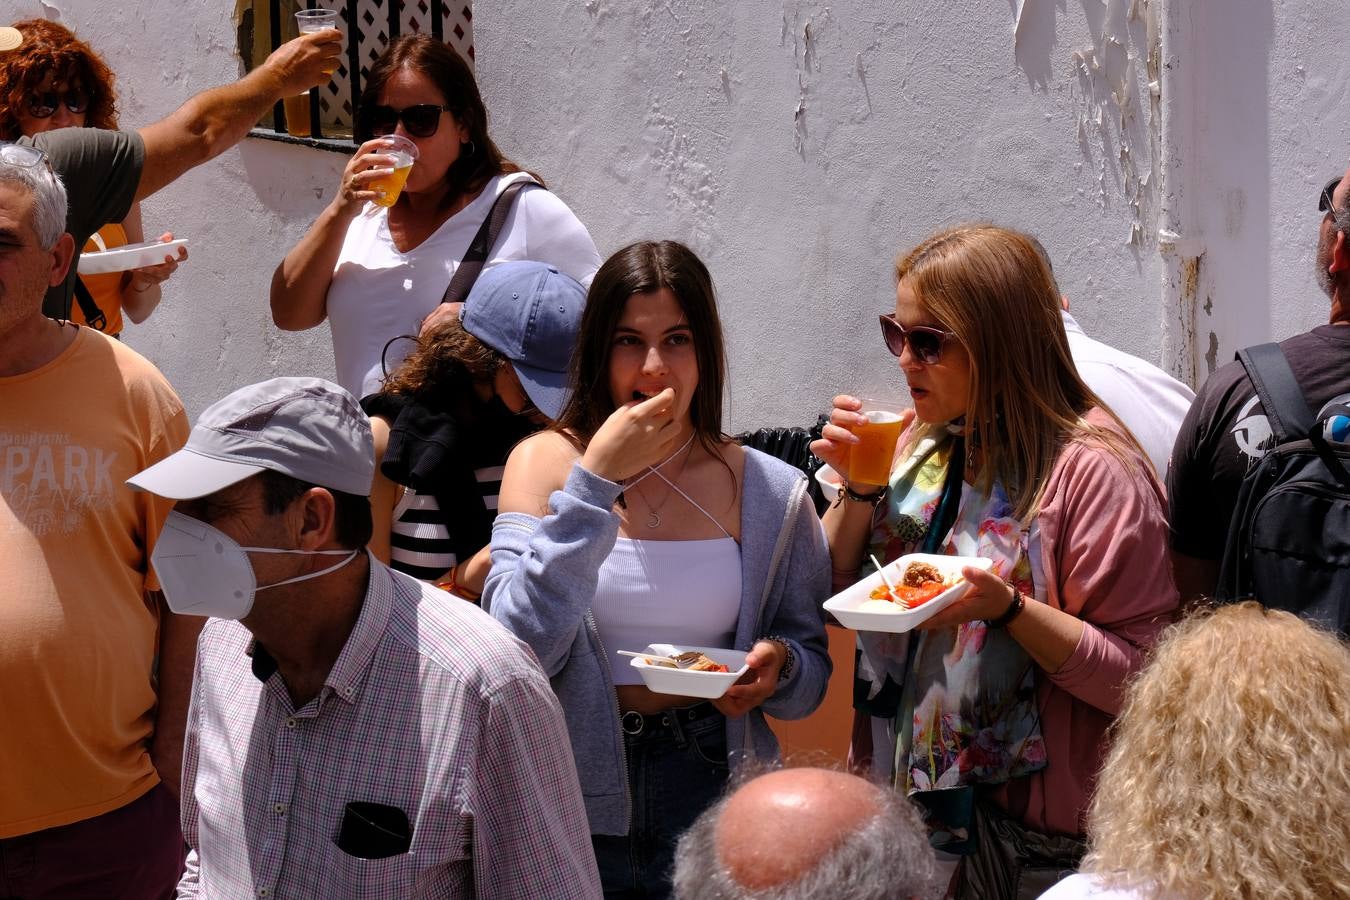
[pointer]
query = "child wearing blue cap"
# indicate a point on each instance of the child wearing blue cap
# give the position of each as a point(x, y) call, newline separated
point(447, 418)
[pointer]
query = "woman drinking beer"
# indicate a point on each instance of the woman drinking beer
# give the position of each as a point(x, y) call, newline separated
point(376, 272)
point(995, 712)
point(634, 520)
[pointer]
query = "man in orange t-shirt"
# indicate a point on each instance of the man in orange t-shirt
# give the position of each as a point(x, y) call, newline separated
point(95, 673)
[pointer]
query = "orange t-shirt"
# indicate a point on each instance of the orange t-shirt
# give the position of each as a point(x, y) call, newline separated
point(106, 289)
point(77, 637)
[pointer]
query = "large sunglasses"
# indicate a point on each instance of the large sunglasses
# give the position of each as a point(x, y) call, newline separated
point(925, 342)
point(421, 120)
point(43, 104)
point(1327, 203)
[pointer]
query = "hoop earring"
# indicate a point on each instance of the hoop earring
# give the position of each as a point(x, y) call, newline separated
point(473, 148)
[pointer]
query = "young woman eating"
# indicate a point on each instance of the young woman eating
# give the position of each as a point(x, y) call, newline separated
point(634, 520)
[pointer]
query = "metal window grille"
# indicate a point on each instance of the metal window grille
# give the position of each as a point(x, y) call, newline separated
point(331, 109)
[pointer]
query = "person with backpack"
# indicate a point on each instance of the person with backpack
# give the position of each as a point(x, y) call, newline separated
point(1259, 483)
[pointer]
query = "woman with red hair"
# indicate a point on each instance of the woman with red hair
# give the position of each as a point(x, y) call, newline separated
point(55, 80)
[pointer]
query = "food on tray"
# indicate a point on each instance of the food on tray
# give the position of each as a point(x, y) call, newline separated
point(920, 583)
point(704, 664)
point(917, 574)
point(689, 660)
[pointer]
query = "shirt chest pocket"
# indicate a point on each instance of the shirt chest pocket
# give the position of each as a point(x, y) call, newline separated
point(376, 879)
point(382, 852)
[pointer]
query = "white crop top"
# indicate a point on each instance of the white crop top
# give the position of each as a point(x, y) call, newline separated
point(666, 592)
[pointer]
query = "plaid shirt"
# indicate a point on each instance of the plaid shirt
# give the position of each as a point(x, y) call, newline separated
point(431, 707)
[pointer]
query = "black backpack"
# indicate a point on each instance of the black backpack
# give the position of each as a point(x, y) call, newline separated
point(1289, 540)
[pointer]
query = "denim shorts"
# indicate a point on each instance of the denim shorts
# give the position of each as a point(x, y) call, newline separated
point(677, 767)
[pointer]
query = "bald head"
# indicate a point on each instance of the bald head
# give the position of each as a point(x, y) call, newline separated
point(800, 834)
point(783, 823)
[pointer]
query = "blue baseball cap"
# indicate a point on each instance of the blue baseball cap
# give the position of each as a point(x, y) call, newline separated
point(530, 313)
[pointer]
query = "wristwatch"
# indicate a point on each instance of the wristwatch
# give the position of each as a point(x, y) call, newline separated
point(790, 660)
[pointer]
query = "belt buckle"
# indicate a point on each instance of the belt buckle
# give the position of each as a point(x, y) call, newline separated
point(632, 723)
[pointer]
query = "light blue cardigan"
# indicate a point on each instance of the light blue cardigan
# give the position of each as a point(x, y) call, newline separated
point(544, 577)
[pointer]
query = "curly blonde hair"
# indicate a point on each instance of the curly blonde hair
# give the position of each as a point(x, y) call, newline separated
point(1229, 772)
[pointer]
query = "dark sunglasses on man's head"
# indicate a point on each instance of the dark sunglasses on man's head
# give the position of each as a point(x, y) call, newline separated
point(925, 342)
point(421, 120)
point(1327, 203)
point(43, 104)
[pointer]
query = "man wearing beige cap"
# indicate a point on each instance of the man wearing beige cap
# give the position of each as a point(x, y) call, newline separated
point(105, 171)
point(353, 731)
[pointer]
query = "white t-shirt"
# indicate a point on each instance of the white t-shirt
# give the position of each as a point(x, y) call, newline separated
point(1089, 887)
point(1150, 402)
point(379, 292)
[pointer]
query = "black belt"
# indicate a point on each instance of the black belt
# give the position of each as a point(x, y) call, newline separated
point(635, 723)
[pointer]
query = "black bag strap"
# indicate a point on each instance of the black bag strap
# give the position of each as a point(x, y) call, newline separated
point(484, 241)
point(93, 316)
point(1282, 399)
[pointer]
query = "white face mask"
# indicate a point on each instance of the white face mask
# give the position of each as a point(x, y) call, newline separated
point(204, 572)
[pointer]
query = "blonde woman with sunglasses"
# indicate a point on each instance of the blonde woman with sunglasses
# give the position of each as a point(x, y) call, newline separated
point(376, 272)
point(993, 715)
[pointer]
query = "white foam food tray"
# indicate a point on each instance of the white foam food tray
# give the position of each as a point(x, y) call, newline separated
point(688, 683)
point(131, 256)
point(854, 607)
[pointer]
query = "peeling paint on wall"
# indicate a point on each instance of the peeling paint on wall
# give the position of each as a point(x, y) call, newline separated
point(1108, 120)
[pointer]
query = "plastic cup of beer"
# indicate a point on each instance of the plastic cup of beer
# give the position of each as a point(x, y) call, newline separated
point(312, 20)
point(309, 21)
point(297, 115)
point(869, 460)
point(390, 184)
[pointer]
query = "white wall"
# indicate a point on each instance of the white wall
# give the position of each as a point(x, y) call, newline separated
point(798, 146)
point(1273, 126)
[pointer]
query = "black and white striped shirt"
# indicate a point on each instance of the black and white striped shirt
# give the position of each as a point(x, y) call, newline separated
point(420, 540)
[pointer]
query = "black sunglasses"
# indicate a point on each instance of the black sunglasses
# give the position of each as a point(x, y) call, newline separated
point(925, 342)
point(1326, 203)
point(43, 104)
point(421, 120)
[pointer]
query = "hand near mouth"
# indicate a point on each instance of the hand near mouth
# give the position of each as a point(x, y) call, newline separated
point(639, 434)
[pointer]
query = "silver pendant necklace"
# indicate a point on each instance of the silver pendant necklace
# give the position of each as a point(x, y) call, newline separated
point(653, 515)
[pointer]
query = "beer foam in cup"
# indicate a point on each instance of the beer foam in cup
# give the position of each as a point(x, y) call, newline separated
point(401, 160)
point(881, 416)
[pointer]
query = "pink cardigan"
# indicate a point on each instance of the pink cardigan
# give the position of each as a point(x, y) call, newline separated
point(1103, 532)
